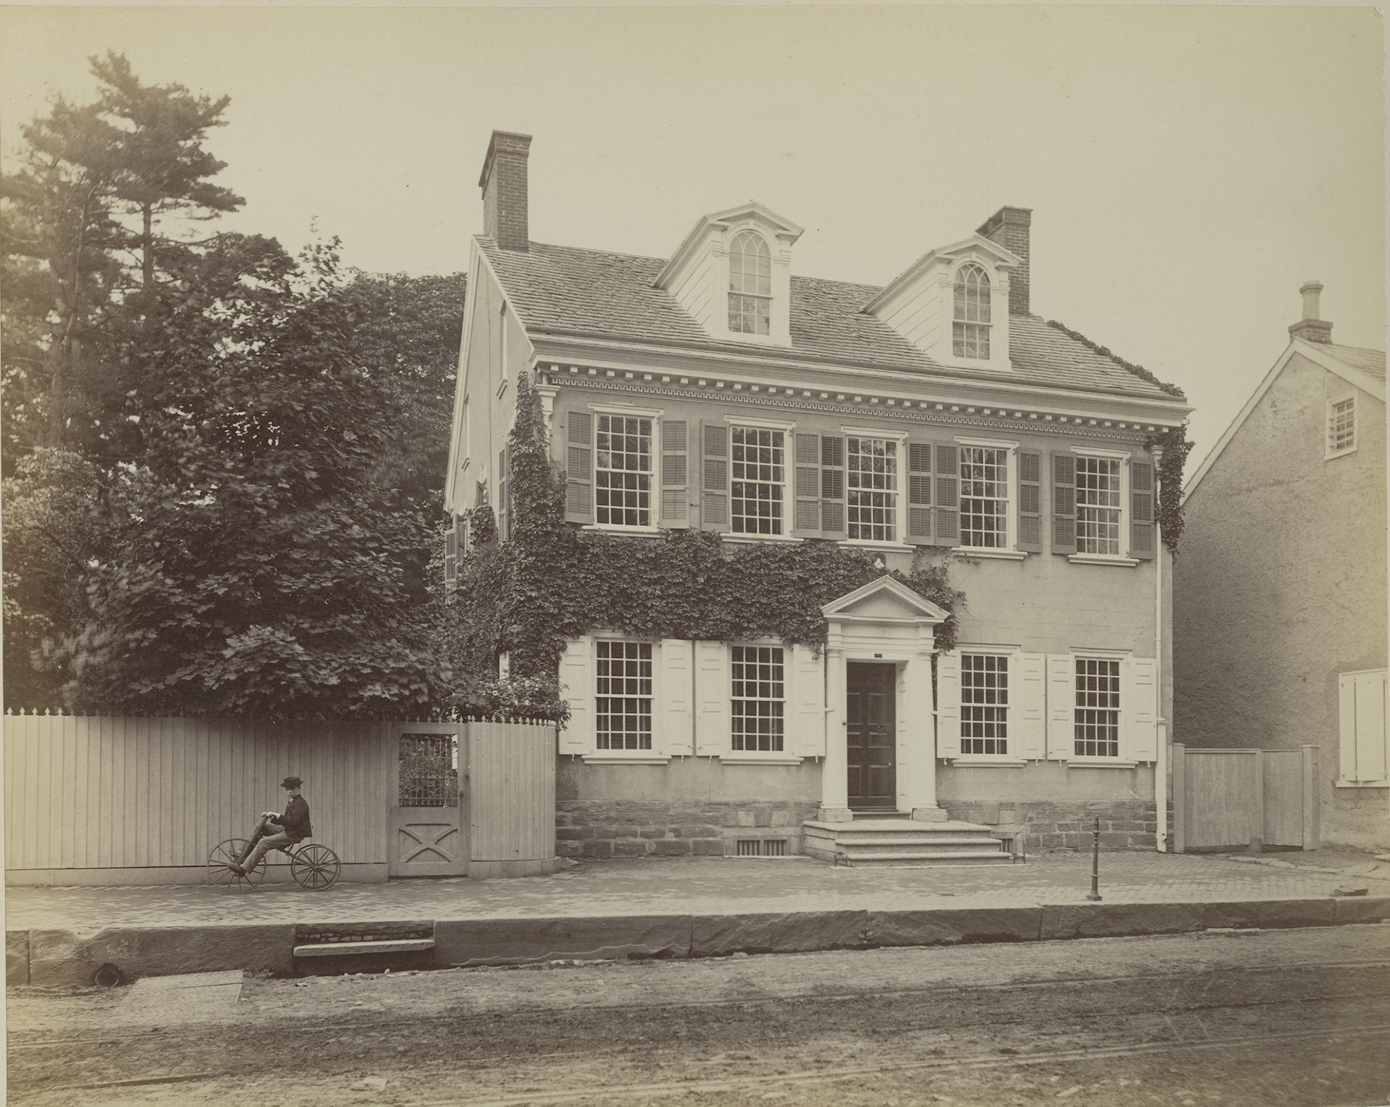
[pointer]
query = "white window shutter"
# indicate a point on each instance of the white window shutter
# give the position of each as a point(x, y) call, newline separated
point(1030, 696)
point(1140, 700)
point(1363, 726)
point(805, 706)
point(1061, 700)
point(948, 705)
point(674, 704)
point(577, 688)
point(712, 693)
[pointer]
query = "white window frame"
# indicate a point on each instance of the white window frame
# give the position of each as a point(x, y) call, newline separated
point(1330, 450)
point(1011, 757)
point(654, 488)
point(623, 753)
point(1121, 558)
point(1121, 713)
point(1011, 490)
point(899, 440)
point(986, 325)
point(731, 292)
point(785, 430)
point(763, 644)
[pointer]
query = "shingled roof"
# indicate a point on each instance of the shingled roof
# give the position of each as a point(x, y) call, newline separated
point(563, 290)
point(1358, 357)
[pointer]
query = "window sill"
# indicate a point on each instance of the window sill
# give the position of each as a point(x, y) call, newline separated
point(742, 757)
point(1361, 784)
point(1332, 456)
point(625, 757)
point(734, 536)
point(989, 552)
point(984, 761)
point(1100, 763)
point(638, 532)
point(892, 547)
point(1103, 559)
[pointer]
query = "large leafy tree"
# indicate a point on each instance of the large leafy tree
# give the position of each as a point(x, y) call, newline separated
point(255, 565)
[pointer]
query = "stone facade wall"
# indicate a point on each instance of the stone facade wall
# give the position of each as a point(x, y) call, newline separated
point(1048, 825)
point(635, 828)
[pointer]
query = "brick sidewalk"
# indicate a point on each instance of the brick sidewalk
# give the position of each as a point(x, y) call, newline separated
point(696, 886)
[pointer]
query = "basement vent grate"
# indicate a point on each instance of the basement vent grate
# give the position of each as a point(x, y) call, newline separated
point(761, 847)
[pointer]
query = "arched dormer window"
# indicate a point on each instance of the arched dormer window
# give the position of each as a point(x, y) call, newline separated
point(750, 284)
point(971, 332)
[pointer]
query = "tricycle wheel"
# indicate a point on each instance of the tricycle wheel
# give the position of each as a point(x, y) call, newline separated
point(220, 862)
point(315, 867)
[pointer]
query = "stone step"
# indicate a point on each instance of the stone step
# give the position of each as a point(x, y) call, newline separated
point(931, 845)
point(924, 858)
point(362, 949)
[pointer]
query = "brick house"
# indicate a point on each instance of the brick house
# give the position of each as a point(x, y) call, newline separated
point(718, 389)
point(1280, 600)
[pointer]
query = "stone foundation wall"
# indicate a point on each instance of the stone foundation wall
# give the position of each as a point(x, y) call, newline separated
point(1124, 824)
point(633, 828)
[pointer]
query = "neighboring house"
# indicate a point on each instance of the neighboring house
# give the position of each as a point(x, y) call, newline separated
point(1280, 593)
point(718, 389)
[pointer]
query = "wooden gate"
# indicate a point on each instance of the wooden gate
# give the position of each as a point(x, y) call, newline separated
point(1245, 798)
point(428, 836)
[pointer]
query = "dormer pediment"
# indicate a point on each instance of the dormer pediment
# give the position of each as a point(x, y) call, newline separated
point(967, 331)
point(884, 600)
point(733, 274)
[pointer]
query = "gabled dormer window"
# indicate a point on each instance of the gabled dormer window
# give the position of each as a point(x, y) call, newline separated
point(750, 284)
point(972, 322)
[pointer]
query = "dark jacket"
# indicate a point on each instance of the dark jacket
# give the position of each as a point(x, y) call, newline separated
point(295, 820)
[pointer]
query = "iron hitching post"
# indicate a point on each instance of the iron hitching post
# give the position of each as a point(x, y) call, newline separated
point(1094, 893)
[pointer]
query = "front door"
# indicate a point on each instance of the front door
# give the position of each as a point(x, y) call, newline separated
point(871, 739)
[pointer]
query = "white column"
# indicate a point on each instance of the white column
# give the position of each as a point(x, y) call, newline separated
point(919, 705)
point(834, 781)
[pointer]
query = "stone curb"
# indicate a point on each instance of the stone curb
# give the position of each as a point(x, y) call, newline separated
point(63, 958)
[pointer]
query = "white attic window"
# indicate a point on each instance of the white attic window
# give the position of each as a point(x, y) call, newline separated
point(733, 275)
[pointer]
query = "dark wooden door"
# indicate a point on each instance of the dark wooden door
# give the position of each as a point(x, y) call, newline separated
point(871, 738)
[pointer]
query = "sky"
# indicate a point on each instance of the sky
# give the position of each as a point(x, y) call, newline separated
point(1188, 167)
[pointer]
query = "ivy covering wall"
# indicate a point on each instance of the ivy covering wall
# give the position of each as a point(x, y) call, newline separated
point(549, 581)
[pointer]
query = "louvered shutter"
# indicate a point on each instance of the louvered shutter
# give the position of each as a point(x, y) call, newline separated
point(805, 708)
point(712, 693)
point(714, 513)
point(577, 689)
point(1061, 705)
point(675, 486)
point(504, 503)
point(947, 514)
point(1030, 501)
point(675, 696)
point(1363, 711)
point(948, 705)
point(832, 487)
point(1063, 503)
point(806, 521)
point(1141, 510)
point(579, 468)
point(919, 493)
point(1141, 697)
point(1031, 700)
point(451, 549)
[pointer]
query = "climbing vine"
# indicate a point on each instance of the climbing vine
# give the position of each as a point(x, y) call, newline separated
point(1176, 446)
point(548, 581)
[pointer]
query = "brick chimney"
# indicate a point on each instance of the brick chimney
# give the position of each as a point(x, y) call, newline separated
point(1311, 328)
point(1009, 228)
point(504, 190)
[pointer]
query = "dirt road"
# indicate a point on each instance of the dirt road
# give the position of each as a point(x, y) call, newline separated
point(1240, 1018)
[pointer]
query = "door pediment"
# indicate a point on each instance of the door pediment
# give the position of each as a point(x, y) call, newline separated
point(884, 600)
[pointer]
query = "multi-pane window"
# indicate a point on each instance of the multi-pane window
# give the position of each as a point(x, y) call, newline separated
point(1341, 426)
point(971, 330)
point(757, 698)
point(984, 496)
point(623, 471)
point(984, 703)
point(871, 466)
point(1097, 505)
point(750, 284)
point(1097, 718)
point(623, 715)
point(756, 480)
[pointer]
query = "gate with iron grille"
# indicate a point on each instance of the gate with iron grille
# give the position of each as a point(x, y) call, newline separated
point(428, 835)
